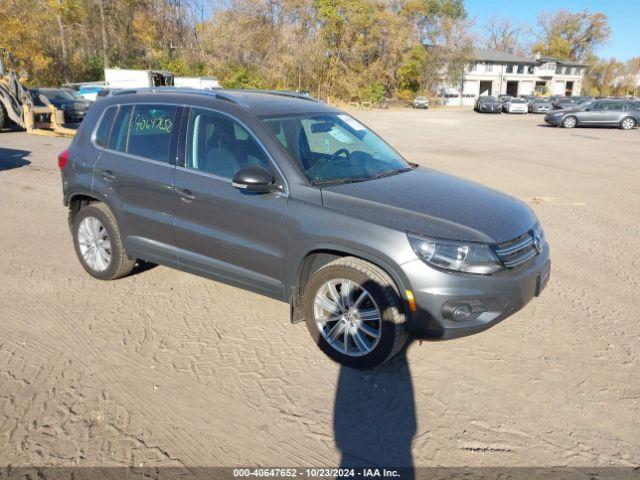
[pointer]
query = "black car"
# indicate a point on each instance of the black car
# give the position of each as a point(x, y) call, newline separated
point(74, 106)
point(487, 104)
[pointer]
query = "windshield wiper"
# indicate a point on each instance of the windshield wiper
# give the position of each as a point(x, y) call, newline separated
point(395, 171)
point(339, 181)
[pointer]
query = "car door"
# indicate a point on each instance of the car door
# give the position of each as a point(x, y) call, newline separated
point(221, 231)
point(614, 112)
point(135, 174)
point(594, 113)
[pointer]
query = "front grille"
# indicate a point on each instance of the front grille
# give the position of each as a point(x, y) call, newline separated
point(517, 251)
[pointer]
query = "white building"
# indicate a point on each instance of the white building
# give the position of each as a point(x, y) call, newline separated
point(493, 73)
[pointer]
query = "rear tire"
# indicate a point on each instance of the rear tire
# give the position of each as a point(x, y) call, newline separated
point(3, 117)
point(358, 339)
point(570, 122)
point(94, 227)
point(627, 123)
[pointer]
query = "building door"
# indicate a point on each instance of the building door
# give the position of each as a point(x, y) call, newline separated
point(568, 89)
point(512, 88)
point(485, 87)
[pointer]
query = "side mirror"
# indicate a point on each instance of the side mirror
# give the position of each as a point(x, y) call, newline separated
point(255, 179)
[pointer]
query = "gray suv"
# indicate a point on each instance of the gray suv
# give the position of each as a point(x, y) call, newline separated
point(291, 198)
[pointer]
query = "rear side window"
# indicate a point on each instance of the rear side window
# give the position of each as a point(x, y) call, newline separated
point(102, 134)
point(118, 138)
point(150, 131)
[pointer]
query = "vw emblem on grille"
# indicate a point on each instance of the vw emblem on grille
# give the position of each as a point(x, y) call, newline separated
point(537, 243)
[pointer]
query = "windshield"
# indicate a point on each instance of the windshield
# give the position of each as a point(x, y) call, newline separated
point(541, 100)
point(518, 100)
point(335, 148)
point(490, 100)
point(59, 94)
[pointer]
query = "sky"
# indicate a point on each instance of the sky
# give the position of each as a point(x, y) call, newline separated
point(623, 15)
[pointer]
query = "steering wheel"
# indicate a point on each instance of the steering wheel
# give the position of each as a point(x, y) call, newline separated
point(337, 154)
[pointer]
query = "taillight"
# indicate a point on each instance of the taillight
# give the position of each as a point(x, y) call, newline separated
point(62, 159)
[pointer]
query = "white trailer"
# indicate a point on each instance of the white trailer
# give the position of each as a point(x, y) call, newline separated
point(202, 83)
point(121, 78)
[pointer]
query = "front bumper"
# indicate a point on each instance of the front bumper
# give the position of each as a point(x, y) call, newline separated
point(500, 296)
point(551, 120)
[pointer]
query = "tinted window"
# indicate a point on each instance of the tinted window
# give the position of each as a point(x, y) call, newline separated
point(221, 146)
point(102, 134)
point(118, 138)
point(150, 131)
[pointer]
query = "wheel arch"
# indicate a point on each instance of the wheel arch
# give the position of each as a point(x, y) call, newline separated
point(80, 198)
point(315, 257)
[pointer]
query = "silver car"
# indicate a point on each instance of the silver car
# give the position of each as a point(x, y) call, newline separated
point(597, 113)
point(283, 195)
point(420, 102)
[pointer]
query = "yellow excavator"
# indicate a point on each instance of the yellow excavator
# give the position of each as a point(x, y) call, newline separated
point(17, 105)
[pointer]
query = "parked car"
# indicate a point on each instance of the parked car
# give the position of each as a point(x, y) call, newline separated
point(561, 103)
point(420, 102)
point(540, 105)
point(297, 200)
point(74, 107)
point(487, 104)
point(598, 113)
point(515, 105)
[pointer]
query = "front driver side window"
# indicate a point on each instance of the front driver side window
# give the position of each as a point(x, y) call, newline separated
point(218, 145)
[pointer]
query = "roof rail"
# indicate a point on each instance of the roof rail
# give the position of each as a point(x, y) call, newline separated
point(281, 93)
point(188, 90)
point(226, 94)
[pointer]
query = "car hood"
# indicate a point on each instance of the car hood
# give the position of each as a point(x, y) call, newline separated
point(431, 203)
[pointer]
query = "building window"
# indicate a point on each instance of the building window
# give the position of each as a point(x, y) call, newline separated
point(510, 68)
point(559, 69)
point(488, 66)
point(520, 69)
point(473, 66)
point(530, 69)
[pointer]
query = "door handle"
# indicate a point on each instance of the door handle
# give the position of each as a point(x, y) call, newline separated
point(186, 194)
point(108, 175)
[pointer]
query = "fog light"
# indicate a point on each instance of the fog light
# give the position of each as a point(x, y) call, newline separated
point(461, 310)
point(461, 313)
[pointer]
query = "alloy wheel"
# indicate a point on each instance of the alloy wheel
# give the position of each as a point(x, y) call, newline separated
point(628, 123)
point(347, 317)
point(94, 244)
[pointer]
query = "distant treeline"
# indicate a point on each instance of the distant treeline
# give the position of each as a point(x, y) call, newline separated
point(347, 49)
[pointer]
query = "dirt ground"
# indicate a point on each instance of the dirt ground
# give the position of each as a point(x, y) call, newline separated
point(166, 368)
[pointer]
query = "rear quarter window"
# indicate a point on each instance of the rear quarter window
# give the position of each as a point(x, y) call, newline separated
point(104, 128)
point(118, 138)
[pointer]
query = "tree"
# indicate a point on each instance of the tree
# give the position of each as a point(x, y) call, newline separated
point(503, 35)
point(573, 36)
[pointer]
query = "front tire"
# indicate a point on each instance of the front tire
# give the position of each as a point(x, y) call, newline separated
point(570, 122)
point(627, 123)
point(354, 314)
point(98, 244)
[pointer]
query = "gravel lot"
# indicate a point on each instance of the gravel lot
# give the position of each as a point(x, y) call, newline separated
point(166, 368)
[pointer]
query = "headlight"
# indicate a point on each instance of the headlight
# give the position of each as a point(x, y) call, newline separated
point(459, 256)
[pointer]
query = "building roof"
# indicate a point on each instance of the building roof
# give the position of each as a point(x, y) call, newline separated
point(491, 55)
point(568, 63)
